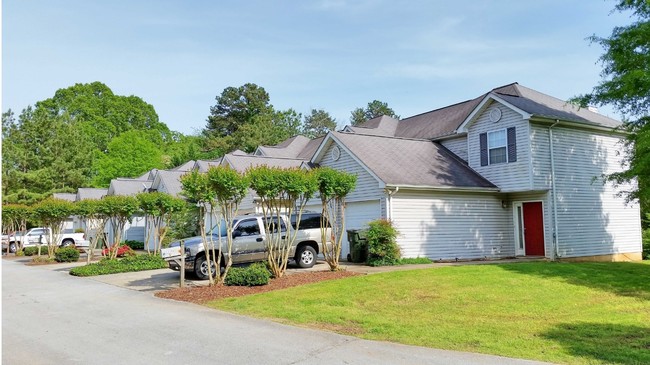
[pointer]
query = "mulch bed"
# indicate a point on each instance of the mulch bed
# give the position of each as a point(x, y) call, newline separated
point(204, 294)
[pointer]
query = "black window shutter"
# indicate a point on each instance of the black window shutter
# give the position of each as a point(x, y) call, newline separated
point(512, 144)
point(484, 149)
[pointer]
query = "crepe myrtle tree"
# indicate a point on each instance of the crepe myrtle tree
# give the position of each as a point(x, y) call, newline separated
point(282, 192)
point(95, 220)
point(119, 210)
point(229, 187)
point(158, 209)
point(198, 191)
point(52, 213)
point(333, 187)
point(14, 218)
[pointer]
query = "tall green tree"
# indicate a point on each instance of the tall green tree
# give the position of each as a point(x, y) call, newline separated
point(374, 109)
point(318, 123)
point(236, 107)
point(625, 84)
point(54, 146)
point(43, 154)
point(129, 155)
point(243, 118)
point(102, 114)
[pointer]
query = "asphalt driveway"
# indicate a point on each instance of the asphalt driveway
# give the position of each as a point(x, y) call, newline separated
point(50, 317)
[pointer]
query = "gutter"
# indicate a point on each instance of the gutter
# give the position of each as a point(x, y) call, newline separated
point(444, 188)
point(555, 252)
point(389, 202)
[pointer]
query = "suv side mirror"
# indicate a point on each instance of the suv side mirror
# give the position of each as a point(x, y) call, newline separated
point(236, 234)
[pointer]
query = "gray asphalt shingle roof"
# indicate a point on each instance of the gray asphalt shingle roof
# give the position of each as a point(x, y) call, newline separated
point(546, 106)
point(172, 181)
point(243, 163)
point(380, 126)
point(412, 162)
point(204, 165)
point(71, 197)
point(91, 193)
point(289, 148)
point(189, 165)
point(127, 187)
point(445, 121)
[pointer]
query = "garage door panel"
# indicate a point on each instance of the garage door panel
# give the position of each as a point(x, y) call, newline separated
point(357, 216)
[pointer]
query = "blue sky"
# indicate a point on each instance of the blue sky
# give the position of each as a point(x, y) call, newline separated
point(335, 55)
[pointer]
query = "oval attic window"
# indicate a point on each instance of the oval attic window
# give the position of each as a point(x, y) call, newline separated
point(336, 153)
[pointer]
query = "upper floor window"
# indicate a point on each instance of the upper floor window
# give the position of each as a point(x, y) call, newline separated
point(498, 146)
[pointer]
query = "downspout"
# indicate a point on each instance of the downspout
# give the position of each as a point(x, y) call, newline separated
point(555, 252)
point(389, 202)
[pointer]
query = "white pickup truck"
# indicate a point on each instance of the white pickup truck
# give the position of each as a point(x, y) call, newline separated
point(38, 236)
point(249, 243)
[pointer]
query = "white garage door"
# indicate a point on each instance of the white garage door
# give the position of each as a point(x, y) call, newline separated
point(357, 216)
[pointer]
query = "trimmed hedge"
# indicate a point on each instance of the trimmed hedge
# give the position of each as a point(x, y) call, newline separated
point(33, 250)
point(66, 254)
point(135, 245)
point(253, 275)
point(127, 264)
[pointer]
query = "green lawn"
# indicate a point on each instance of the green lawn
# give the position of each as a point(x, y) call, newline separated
point(588, 313)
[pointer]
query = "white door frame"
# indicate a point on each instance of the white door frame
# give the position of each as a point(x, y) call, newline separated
point(518, 222)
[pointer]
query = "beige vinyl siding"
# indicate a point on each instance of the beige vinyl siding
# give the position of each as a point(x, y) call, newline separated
point(511, 176)
point(540, 157)
point(367, 187)
point(592, 220)
point(444, 225)
point(457, 145)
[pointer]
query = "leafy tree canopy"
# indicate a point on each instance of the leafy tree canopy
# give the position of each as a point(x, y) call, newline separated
point(129, 155)
point(318, 123)
point(243, 118)
point(374, 109)
point(626, 85)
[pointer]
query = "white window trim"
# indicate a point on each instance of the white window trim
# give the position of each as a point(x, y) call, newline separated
point(505, 131)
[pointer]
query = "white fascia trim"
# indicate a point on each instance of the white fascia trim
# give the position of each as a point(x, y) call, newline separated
point(321, 148)
point(444, 188)
point(482, 105)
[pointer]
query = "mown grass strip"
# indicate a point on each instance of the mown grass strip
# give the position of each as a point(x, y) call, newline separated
point(582, 313)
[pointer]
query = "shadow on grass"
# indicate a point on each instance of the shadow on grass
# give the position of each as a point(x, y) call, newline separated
point(621, 278)
point(607, 343)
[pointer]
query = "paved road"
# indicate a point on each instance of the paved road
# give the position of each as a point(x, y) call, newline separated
point(50, 317)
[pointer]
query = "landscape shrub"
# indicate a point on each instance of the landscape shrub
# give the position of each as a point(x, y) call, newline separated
point(382, 243)
point(33, 250)
point(253, 275)
point(127, 264)
point(66, 254)
point(136, 245)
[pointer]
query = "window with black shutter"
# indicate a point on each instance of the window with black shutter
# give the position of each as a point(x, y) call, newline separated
point(498, 146)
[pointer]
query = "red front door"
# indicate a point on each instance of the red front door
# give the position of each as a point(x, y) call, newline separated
point(534, 229)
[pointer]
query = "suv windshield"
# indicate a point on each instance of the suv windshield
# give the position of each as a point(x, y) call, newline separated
point(220, 229)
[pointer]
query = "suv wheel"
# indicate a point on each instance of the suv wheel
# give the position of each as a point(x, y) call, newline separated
point(306, 256)
point(12, 247)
